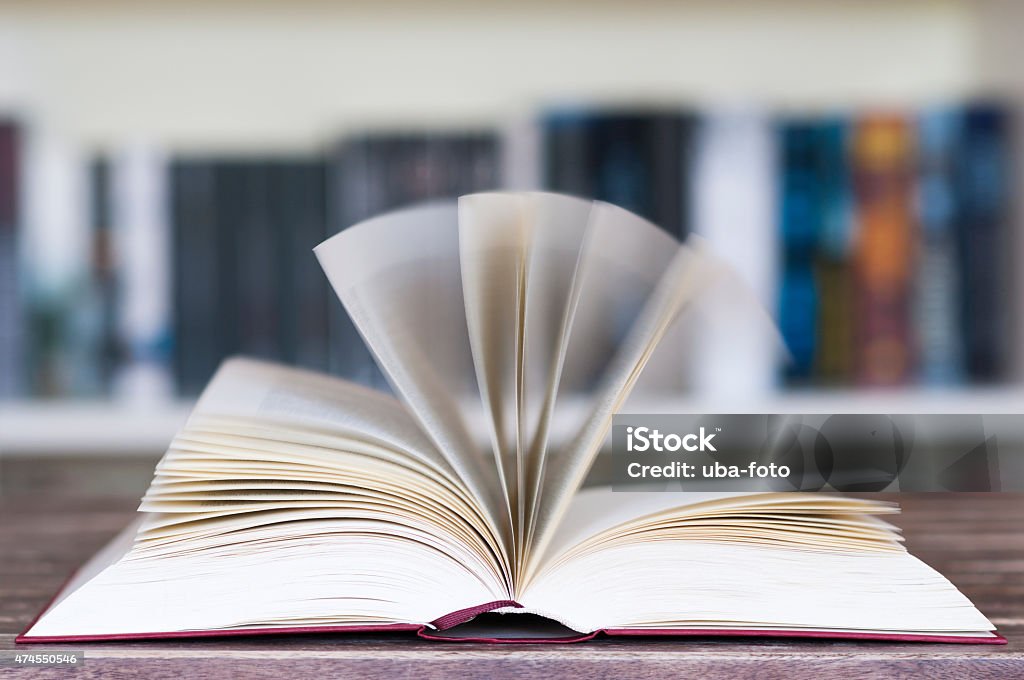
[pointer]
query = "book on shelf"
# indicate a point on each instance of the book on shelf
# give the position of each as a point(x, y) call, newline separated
point(241, 228)
point(884, 260)
point(937, 288)
point(55, 254)
point(799, 228)
point(11, 337)
point(639, 160)
point(196, 293)
point(98, 332)
point(296, 502)
point(252, 258)
point(521, 152)
point(984, 171)
point(374, 172)
point(140, 215)
point(300, 212)
point(833, 259)
point(894, 245)
point(733, 209)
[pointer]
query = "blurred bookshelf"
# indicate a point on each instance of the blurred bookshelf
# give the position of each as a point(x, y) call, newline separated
point(856, 162)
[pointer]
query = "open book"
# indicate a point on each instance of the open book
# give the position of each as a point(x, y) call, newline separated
point(293, 501)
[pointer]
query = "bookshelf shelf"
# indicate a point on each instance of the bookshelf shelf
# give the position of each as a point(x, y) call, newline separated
point(68, 427)
point(71, 428)
point(1008, 399)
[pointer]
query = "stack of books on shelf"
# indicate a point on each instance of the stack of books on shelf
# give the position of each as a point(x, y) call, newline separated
point(894, 238)
point(877, 241)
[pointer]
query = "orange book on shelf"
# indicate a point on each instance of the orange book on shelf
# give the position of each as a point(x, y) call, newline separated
point(883, 259)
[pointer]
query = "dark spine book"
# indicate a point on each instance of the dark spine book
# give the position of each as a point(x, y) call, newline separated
point(937, 287)
point(624, 174)
point(357, 178)
point(569, 153)
point(375, 173)
point(638, 161)
point(482, 168)
point(198, 285)
point(834, 360)
point(882, 162)
point(982, 180)
point(11, 321)
point(257, 244)
point(106, 350)
point(800, 214)
point(229, 197)
point(672, 151)
point(299, 213)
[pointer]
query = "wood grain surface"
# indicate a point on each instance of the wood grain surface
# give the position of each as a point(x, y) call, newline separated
point(54, 514)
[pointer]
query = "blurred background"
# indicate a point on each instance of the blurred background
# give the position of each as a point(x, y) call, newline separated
point(166, 168)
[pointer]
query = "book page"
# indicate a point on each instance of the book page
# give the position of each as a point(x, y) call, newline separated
point(600, 287)
point(552, 290)
point(520, 254)
point(399, 277)
point(312, 568)
point(599, 511)
point(717, 585)
point(493, 234)
point(758, 561)
point(658, 277)
point(486, 322)
point(261, 390)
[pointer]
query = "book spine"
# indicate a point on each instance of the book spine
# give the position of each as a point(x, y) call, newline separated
point(253, 224)
point(142, 232)
point(56, 268)
point(983, 166)
point(834, 360)
point(670, 145)
point(483, 152)
point(197, 279)
point(104, 343)
point(882, 161)
point(733, 209)
point(521, 155)
point(799, 221)
point(303, 296)
point(11, 356)
point(937, 288)
point(624, 168)
point(637, 161)
point(257, 246)
point(229, 201)
point(360, 173)
point(569, 154)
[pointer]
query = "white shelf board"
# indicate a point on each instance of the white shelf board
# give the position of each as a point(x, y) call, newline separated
point(54, 428)
point(1008, 399)
point(84, 427)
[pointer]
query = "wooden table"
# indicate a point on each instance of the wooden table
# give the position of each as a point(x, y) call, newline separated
point(53, 515)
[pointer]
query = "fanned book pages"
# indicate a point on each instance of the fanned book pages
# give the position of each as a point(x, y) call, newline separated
point(510, 327)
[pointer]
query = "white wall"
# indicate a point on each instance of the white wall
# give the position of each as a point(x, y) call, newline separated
point(288, 74)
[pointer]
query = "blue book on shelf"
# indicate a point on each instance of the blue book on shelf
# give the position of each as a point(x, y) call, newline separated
point(834, 360)
point(799, 229)
point(937, 288)
point(982, 180)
